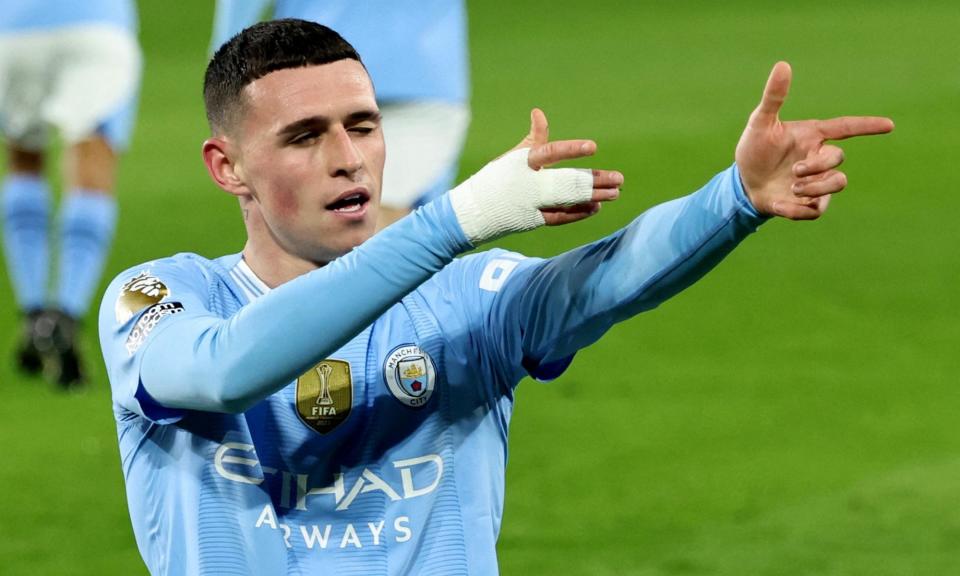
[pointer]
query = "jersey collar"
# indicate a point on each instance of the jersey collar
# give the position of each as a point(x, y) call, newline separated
point(253, 287)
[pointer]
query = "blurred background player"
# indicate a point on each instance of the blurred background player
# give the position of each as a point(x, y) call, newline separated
point(416, 53)
point(73, 67)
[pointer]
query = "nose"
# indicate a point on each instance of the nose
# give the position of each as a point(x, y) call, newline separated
point(344, 158)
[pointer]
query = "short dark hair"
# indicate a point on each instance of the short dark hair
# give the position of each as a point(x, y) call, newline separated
point(259, 50)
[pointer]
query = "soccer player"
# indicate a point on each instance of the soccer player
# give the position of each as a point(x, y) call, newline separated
point(73, 67)
point(327, 402)
point(417, 56)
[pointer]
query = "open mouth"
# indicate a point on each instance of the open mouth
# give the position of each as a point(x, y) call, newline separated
point(353, 202)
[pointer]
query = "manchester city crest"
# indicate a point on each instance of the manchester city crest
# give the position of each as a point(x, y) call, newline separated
point(410, 374)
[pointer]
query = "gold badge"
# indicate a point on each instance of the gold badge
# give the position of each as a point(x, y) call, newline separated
point(141, 291)
point(325, 395)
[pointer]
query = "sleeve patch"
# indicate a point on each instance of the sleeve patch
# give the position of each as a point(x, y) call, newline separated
point(148, 321)
point(140, 292)
point(496, 273)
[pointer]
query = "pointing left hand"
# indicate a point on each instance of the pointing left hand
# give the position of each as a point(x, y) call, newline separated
point(787, 168)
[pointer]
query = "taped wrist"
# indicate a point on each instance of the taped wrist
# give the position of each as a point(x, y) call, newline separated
point(506, 196)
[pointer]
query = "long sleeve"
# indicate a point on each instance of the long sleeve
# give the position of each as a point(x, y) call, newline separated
point(556, 306)
point(184, 355)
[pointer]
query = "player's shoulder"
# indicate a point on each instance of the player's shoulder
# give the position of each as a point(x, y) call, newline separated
point(156, 289)
point(179, 268)
point(165, 277)
point(483, 271)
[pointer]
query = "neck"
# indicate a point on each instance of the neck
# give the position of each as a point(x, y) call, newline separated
point(264, 255)
point(273, 265)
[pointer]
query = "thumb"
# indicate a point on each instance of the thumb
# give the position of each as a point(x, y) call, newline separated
point(774, 95)
point(539, 131)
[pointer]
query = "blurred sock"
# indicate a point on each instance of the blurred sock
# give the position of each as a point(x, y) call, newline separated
point(26, 210)
point(87, 223)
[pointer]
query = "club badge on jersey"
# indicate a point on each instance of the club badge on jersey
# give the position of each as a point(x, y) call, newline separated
point(410, 374)
point(325, 395)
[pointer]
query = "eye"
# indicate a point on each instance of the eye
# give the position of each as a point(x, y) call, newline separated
point(363, 128)
point(303, 138)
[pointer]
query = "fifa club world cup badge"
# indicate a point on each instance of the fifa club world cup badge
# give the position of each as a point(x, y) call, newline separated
point(410, 374)
point(325, 395)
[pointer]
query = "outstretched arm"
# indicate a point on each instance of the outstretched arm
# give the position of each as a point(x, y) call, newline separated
point(182, 354)
point(782, 169)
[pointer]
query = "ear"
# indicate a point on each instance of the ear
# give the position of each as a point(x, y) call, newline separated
point(219, 158)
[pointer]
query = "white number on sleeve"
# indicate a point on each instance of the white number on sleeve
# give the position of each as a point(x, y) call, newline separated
point(495, 274)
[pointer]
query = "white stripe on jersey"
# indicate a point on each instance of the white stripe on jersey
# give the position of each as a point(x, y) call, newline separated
point(252, 286)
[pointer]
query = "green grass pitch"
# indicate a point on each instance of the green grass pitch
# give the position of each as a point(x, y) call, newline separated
point(797, 412)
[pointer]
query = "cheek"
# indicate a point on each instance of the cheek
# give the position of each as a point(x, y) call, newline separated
point(375, 154)
point(278, 192)
point(379, 151)
point(284, 202)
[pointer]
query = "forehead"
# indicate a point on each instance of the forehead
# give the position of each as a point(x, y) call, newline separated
point(331, 90)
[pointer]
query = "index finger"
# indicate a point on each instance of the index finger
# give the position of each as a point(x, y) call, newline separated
point(850, 126)
point(553, 152)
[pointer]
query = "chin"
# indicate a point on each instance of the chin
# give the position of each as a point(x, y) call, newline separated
point(329, 253)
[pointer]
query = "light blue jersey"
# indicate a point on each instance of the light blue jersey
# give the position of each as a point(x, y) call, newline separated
point(413, 49)
point(23, 15)
point(383, 450)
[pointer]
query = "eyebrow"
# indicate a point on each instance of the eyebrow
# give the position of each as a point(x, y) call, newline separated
point(321, 123)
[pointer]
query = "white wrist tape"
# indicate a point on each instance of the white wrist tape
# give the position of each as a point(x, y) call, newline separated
point(506, 196)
